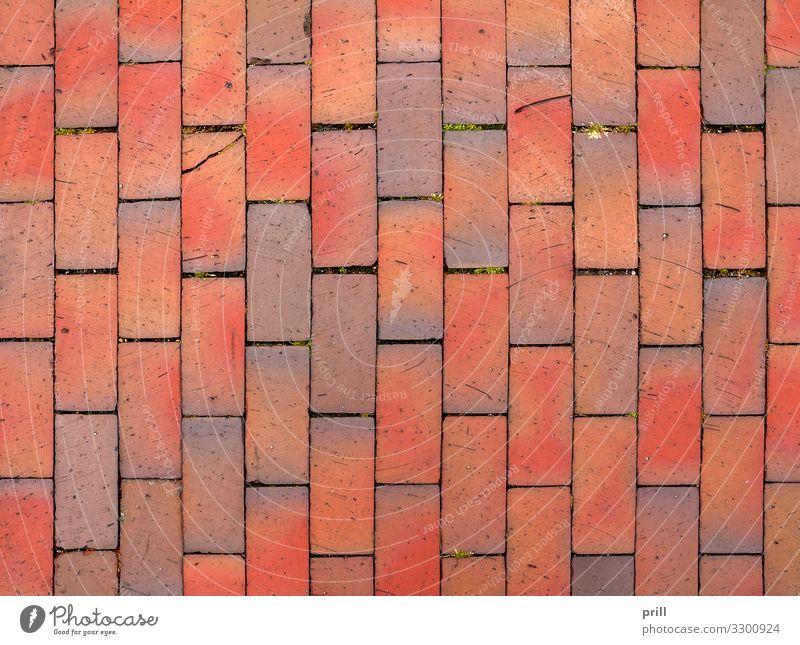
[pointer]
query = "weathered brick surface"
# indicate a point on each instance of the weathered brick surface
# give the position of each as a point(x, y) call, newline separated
point(783, 174)
point(731, 575)
point(213, 575)
point(782, 34)
point(538, 34)
point(668, 34)
point(608, 575)
point(334, 576)
point(86, 573)
point(783, 275)
point(782, 458)
point(409, 30)
point(149, 30)
point(278, 31)
point(474, 576)
point(27, 33)
point(781, 528)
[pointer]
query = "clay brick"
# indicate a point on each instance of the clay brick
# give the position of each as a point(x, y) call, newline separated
point(86, 201)
point(473, 61)
point(343, 343)
point(783, 261)
point(671, 276)
point(731, 575)
point(279, 132)
point(276, 431)
point(149, 30)
point(669, 137)
point(86, 63)
point(150, 554)
point(86, 573)
point(407, 540)
point(473, 484)
point(668, 35)
point(476, 199)
point(666, 541)
point(149, 131)
point(86, 342)
point(540, 416)
point(212, 346)
point(604, 74)
point(606, 320)
point(733, 200)
point(408, 414)
point(539, 135)
point(783, 147)
point(781, 541)
point(409, 129)
point(669, 415)
point(410, 270)
point(342, 479)
point(538, 33)
point(605, 201)
point(409, 30)
point(783, 34)
point(604, 485)
point(277, 541)
point(783, 414)
point(476, 343)
point(213, 485)
point(341, 576)
point(538, 558)
point(735, 336)
point(731, 485)
point(26, 409)
point(278, 31)
point(732, 64)
point(26, 252)
point(27, 37)
point(26, 523)
point(26, 134)
point(213, 575)
point(343, 51)
point(607, 575)
point(540, 275)
point(149, 269)
point(149, 410)
point(474, 576)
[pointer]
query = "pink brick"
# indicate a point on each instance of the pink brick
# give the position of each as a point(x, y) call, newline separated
point(149, 30)
point(28, 32)
point(213, 575)
point(783, 277)
point(409, 30)
point(278, 31)
point(782, 527)
point(668, 34)
point(86, 573)
point(783, 34)
point(538, 33)
point(731, 575)
point(333, 576)
point(474, 576)
point(783, 416)
point(783, 173)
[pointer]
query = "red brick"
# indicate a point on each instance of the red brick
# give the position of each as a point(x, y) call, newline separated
point(149, 269)
point(86, 342)
point(213, 485)
point(538, 558)
point(27, 32)
point(783, 253)
point(341, 576)
point(26, 134)
point(671, 276)
point(408, 414)
point(26, 252)
point(407, 541)
point(476, 343)
point(343, 343)
point(734, 354)
point(473, 61)
point(276, 432)
point(26, 524)
point(410, 268)
point(669, 137)
point(540, 164)
point(212, 346)
point(733, 61)
point(783, 414)
point(605, 201)
point(409, 129)
point(669, 415)
point(86, 201)
point(540, 416)
point(279, 132)
point(783, 147)
point(476, 199)
point(409, 30)
point(540, 274)
point(149, 131)
point(606, 575)
point(149, 410)
point(731, 575)
point(668, 35)
point(86, 481)
point(538, 33)
point(343, 51)
point(149, 30)
point(342, 479)
point(606, 321)
point(86, 63)
point(150, 554)
point(278, 31)
point(731, 485)
point(277, 541)
point(213, 575)
point(666, 541)
point(86, 573)
point(783, 34)
point(604, 485)
point(603, 51)
point(474, 576)
point(782, 539)
point(473, 484)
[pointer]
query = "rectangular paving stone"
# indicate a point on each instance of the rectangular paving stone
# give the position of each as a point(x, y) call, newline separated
point(783, 173)
point(668, 34)
point(149, 30)
point(213, 575)
point(782, 458)
point(346, 576)
point(538, 34)
point(28, 35)
point(605, 575)
point(731, 575)
point(781, 530)
point(782, 34)
point(783, 275)
point(278, 32)
point(86, 573)
point(409, 31)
